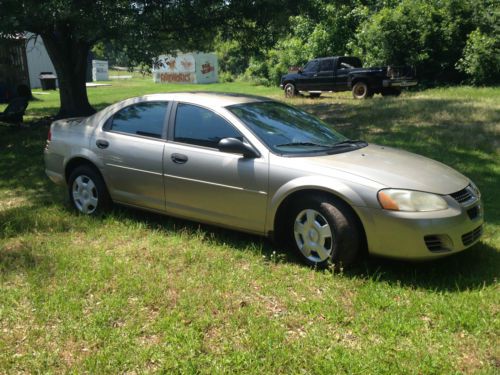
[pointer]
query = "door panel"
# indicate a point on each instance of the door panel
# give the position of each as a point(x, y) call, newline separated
point(130, 145)
point(133, 169)
point(204, 183)
point(216, 187)
point(325, 75)
point(308, 80)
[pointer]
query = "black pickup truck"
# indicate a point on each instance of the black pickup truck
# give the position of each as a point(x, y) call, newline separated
point(345, 73)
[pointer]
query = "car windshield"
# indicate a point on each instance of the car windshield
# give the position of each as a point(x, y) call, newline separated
point(287, 130)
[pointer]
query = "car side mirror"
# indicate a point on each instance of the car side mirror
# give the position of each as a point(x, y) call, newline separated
point(235, 146)
point(300, 71)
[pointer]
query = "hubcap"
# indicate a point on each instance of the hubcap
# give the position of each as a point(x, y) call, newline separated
point(313, 235)
point(84, 194)
point(360, 90)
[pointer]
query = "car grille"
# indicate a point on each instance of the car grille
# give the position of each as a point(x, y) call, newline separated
point(472, 236)
point(433, 243)
point(463, 195)
point(436, 243)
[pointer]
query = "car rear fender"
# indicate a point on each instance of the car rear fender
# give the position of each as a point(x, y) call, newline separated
point(79, 156)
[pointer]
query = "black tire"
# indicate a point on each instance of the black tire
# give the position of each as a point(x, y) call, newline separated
point(391, 91)
point(361, 90)
point(346, 242)
point(290, 90)
point(315, 94)
point(87, 191)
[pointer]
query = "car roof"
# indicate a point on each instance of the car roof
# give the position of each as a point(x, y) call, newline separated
point(208, 99)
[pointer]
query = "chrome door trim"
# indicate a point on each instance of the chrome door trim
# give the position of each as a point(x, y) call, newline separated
point(134, 169)
point(215, 184)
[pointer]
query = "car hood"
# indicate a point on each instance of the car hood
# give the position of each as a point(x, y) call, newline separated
point(394, 168)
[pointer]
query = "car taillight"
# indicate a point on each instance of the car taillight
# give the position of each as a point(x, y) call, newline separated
point(49, 136)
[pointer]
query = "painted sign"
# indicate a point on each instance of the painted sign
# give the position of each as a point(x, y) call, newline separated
point(174, 69)
point(185, 68)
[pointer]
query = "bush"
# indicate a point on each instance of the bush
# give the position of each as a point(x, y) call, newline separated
point(481, 59)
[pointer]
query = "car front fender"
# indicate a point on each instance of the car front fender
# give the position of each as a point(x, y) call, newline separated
point(361, 196)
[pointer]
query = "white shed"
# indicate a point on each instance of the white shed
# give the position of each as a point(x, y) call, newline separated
point(38, 60)
point(193, 67)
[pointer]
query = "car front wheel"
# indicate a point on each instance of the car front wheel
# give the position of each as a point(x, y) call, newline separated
point(87, 191)
point(324, 230)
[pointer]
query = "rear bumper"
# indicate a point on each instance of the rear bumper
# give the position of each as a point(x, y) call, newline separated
point(420, 235)
point(53, 167)
point(399, 82)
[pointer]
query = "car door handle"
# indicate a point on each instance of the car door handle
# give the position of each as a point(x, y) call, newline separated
point(101, 143)
point(179, 158)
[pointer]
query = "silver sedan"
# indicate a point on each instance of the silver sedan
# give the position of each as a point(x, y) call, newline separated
point(260, 166)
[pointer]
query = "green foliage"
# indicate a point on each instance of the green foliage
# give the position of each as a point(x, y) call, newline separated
point(325, 30)
point(481, 59)
point(429, 35)
point(425, 34)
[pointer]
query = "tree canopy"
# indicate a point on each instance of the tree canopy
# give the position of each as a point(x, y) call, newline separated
point(447, 41)
point(70, 28)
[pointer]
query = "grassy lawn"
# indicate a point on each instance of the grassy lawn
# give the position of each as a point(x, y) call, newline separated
point(136, 292)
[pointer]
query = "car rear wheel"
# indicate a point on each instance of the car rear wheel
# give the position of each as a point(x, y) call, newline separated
point(315, 94)
point(323, 230)
point(360, 90)
point(290, 90)
point(87, 191)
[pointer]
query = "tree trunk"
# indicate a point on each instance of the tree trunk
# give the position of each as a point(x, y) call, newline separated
point(69, 57)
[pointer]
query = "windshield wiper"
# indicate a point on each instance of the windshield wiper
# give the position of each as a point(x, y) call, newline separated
point(303, 144)
point(348, 142)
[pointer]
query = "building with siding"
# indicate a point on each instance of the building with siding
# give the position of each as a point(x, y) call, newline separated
point(38, 60)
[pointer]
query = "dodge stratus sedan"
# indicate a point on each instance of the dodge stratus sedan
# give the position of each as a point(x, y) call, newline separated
point(261, 166)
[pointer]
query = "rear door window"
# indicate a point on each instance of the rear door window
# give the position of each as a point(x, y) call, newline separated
point(326, 65)
point(145, 119)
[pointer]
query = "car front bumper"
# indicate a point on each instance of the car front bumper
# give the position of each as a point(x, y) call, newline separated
point(422, 235)
point(398, 82)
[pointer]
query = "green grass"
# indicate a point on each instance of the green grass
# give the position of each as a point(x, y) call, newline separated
point(137, 292)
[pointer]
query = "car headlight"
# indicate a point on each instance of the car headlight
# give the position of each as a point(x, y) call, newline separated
point(409, 200)
point(475, 189)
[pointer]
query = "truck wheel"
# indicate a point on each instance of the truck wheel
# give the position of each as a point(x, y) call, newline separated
point(290, 90)
point(360, 90)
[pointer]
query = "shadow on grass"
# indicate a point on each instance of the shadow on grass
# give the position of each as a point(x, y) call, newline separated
point(456, 136)
point(474, 268)
point(18, 257)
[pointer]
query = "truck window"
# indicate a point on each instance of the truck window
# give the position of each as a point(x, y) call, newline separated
point(348, 62)
point(326, 65)
point(311, 66)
